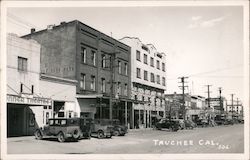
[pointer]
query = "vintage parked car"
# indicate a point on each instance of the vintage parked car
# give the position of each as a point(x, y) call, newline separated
point(202, 123)
point(164, 123)
point(189, 124)
point(181, 123)
point(101, 128)
point(61, 128)
point(85, 125)
point(228, 122)
point(118, 128)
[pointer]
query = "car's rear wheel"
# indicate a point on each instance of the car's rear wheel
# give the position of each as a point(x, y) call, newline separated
point(100, 134)
point(38, 135)
point(116, 133)
point(61, 137)
point(76, 134)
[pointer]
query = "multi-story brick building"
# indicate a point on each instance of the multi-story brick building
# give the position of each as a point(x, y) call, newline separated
point(148, 82)
point(79, 52)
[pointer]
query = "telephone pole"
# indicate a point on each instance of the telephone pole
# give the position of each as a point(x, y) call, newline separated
point(183, 96)
point(112, 77)
point(232, 95)
point(221, 105)
point(208, 95)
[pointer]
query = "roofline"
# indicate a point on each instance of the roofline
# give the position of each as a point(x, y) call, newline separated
point(76, 21)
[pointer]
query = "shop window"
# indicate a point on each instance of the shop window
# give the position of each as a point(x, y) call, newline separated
point(60, 114)
point(22, 64)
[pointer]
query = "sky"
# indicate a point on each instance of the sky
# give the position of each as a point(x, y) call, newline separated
point(203, 43)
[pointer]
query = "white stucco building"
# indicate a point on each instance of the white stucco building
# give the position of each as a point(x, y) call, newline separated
point(148, 78)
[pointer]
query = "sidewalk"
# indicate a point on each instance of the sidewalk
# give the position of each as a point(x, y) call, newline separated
point(139, 129)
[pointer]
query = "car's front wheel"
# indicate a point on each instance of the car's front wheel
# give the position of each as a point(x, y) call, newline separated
point(38, 135)
point(61, 137)
point(100, 134)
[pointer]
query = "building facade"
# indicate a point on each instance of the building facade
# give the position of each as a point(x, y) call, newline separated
point(148, 82)
point(22, 86)
point(96, 61)
point(32, 98)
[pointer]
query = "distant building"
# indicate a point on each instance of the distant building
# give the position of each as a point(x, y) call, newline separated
point(148, 82)
point(79, 52)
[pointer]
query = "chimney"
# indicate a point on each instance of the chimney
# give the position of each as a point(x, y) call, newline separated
point(32, 30)
point(63, 23)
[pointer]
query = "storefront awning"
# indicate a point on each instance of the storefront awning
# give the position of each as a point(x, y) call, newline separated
point(89, 96)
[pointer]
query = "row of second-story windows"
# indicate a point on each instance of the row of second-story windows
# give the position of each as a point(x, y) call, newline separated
point(105, 61)
point(122, 66)
point(84, 56)
point(145, 61)
point(103, 85)
point(22, 64)
point(152, 77)
point(83, 82)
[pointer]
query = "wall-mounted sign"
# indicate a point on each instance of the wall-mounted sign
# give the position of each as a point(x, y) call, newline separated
point(27, 100)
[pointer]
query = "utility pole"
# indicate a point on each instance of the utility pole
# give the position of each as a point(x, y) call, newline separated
point(208, 95)
point(221, 107)
point(183, 96)
point(112, 77)
point(232, 95)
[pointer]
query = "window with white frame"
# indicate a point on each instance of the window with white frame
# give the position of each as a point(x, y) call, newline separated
point(163, 81)
point(158, 79)
point(119, 88)
point(103, 61)
point(163, 67)
point(83, 54)
point(93, 57)
point(145, 59)
point(126, 69)
point(125, 89)
point(22, 64)
point(138, 72)
point(83, 81)
point(158, 64)
point(103, 85)
point(152, 77)
point(92, 83)
point(151, 61)
point(119, 67)
point(145, 75)
point(138, 55)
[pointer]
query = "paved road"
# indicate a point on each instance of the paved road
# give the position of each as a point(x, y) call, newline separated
point(220, 139)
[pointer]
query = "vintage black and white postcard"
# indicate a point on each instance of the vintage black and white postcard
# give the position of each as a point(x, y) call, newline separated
point(125, 79)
